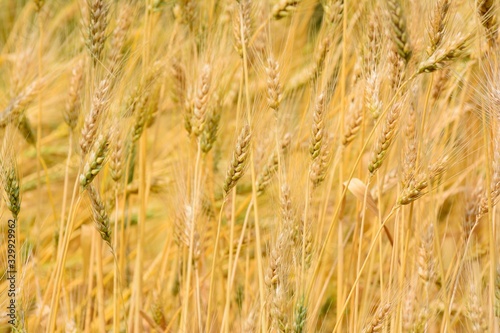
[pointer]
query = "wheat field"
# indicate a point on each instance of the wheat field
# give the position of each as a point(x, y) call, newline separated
point(249, 166)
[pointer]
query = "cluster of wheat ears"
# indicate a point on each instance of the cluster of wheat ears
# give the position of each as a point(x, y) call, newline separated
point(251, 165)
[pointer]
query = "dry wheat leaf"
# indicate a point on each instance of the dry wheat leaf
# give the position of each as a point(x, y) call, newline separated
point(358, 188)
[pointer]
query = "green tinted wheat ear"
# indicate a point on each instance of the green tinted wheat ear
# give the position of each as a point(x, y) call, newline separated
point(95, 161)
point(318, 127)
point(385, 138)
point(201, 100)
point(299, 325)
point(486, 10)
point(11, 187)
point(73, 103)
point(274, 89)
point(98, 21)
point(26, 130)
point(100, 104)
point(438, 23)
point(399, 32)
point(238, 163)
point(100, 215)
point(284, 8)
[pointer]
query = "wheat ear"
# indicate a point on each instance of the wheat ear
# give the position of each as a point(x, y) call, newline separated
point(238, 163)
point(118, 38)
point(100, 215)
point(100, 104)
point(17, 105)
point(318, 127)
point(95, 161)
point(274, 89)
point(378, 320)
point(242, 25)
point(201, 101)
point(486, 10)
point(417, 186)
point(438, 23)
point(98, 22)
point(271, 166)
point(73, 104)
point(11, 187)
point(399, 31)
point(385, 138)
point(284, 8)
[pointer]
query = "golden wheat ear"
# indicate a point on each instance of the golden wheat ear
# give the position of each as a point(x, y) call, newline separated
point(98, 22)
point(100, 104)
point(239, 161)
